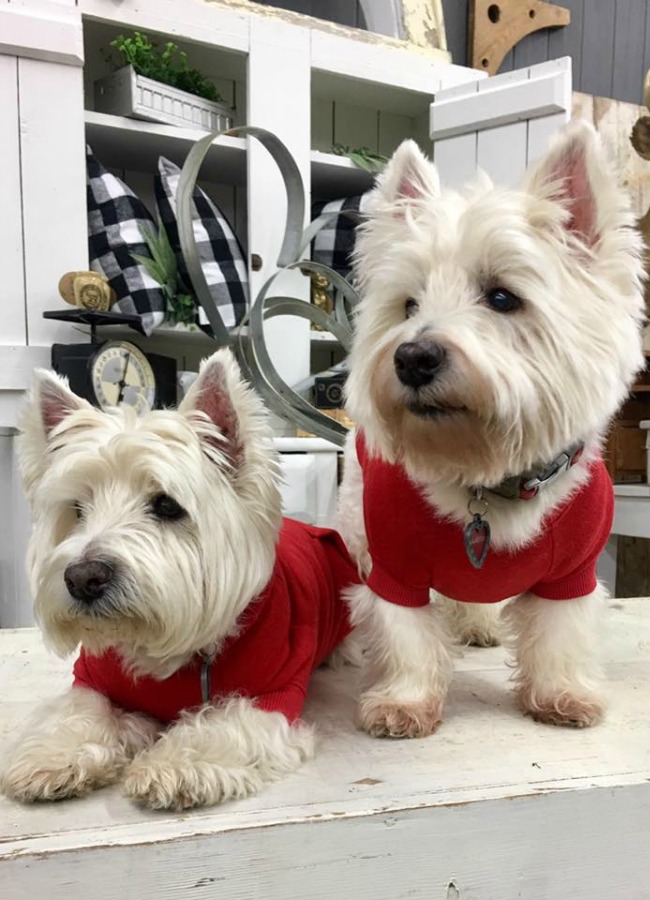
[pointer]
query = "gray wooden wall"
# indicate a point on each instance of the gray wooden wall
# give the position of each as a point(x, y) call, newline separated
point(608, 40)
point(344, 12)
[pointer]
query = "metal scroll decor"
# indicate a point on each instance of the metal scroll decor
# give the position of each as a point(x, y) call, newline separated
point(248, 339)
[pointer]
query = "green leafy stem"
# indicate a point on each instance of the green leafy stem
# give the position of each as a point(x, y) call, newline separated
point(362, 157)
point(163, 268)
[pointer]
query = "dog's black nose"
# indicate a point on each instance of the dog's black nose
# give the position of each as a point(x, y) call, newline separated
point(87, 581)
point(418, 362)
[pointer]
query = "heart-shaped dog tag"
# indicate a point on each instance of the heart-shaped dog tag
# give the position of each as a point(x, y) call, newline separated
point(477, 541)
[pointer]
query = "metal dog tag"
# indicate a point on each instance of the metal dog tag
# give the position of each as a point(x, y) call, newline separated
point(477, 533)
point(477, 541)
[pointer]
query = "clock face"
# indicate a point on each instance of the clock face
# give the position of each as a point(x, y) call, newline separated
point(122, 375)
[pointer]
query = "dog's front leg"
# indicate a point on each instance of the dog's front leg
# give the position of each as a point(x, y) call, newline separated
point(409, 665)
point(218, 753)
point(556, 647)
point(76, 744)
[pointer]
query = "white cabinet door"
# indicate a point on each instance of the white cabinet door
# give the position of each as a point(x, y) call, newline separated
point(499, 124)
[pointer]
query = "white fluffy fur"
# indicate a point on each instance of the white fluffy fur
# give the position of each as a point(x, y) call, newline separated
point(527, 385)
point(174, 594)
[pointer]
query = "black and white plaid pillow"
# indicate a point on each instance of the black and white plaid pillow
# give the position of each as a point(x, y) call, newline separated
point(116, 218)
point(333, 244)
point(220, 253)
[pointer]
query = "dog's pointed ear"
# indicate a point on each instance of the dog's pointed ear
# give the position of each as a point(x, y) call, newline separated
point(220, 396)
point(52, 401)
point(49, 403)
point(576, 174)
point(408, 175)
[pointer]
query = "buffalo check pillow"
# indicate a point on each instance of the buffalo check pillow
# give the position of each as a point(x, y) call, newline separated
point(117, 220)
point(334, 243)
point(220, 253)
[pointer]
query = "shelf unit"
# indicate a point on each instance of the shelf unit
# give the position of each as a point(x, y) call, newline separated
point(310, 84)
point(116, 140)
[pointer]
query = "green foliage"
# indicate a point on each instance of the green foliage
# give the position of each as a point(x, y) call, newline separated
point(168, 65)
point(362, 157)
point(163, 268)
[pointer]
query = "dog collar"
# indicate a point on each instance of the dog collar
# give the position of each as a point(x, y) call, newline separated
point(528, 485)
point(477, 535)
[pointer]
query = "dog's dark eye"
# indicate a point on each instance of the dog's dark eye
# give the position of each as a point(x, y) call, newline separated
point(503, 301)
point(411, 307)
point(165, 507)
point(78, 510)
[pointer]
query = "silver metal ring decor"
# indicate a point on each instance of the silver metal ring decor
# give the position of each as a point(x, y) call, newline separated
point(248, 339)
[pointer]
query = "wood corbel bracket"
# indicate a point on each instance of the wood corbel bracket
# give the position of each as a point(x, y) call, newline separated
point(495, 27)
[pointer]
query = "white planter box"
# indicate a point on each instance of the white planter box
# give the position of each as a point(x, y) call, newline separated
point(124, 93)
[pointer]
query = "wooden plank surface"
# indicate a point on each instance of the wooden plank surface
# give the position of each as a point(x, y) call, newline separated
point(485, 753)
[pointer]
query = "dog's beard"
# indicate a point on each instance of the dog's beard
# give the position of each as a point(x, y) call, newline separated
point(115, 619)
point(443, 431)
point(170, 595)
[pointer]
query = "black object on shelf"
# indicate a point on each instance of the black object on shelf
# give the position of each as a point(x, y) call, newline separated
point(95, 319)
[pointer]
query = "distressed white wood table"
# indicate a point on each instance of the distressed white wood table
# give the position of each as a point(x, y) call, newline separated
point(493, 807)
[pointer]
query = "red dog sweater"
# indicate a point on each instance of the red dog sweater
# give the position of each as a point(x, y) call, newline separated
point(413, 549)
point(288, 631)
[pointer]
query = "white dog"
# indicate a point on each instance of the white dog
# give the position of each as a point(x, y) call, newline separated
point(498, 333)
point(158, 545)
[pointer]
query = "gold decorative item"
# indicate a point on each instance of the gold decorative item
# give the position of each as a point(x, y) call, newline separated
point(320, 295)
point(87, 290)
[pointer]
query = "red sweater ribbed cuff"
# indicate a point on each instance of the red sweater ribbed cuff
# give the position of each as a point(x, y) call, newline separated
point(569, 588)
point(394, 591)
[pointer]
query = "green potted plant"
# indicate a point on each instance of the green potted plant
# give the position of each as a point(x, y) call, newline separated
point(155, 82)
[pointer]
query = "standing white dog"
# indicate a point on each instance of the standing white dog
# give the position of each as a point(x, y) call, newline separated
point(498, 333)
point(158, 544)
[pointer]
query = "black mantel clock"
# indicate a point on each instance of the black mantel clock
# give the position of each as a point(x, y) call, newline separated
point(115, 372)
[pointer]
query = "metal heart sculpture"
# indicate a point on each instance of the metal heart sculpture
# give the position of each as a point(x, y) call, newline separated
point(248, 340)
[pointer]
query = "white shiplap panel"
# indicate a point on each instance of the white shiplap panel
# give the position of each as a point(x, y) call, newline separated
point(273, 41)
point(356, 126)
point(500, 103)
point(540, 131)
point(455, 157)
point(42, 29)
point(53, 187)
point(502, 151)
point(12, 327)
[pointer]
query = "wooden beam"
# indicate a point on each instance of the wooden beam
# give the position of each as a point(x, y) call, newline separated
point(495, 28)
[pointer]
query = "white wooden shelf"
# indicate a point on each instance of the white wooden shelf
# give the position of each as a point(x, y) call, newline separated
point(135, 144)
point(493, 805)
point(322, 337)
point(334, 176)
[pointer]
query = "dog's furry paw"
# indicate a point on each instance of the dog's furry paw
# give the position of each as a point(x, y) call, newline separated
point(31, 777)
point(472, 624)
point(381, 718)
point(162, 784)
point(566, 709)
point(479, 637)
